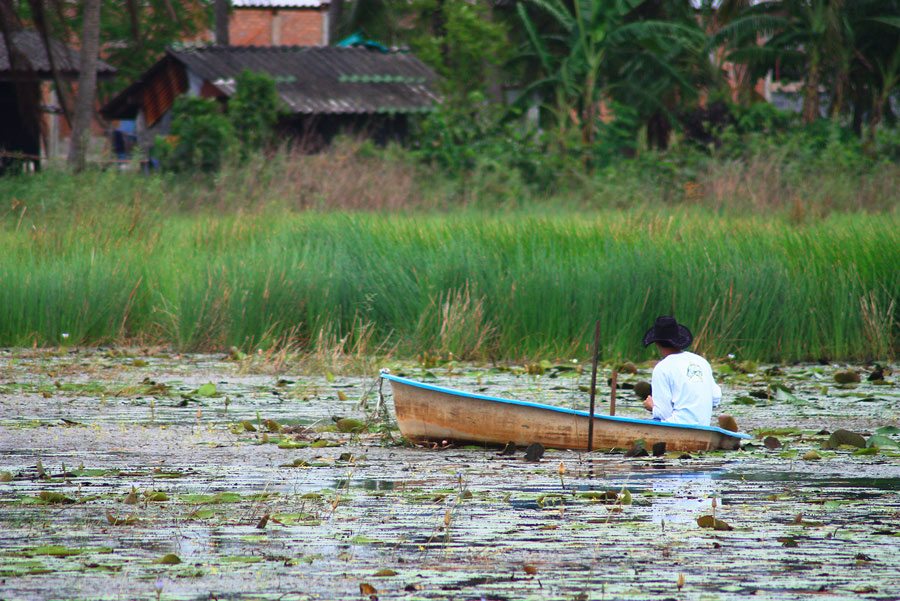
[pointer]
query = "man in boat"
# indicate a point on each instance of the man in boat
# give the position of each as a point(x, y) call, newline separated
point(683, 390)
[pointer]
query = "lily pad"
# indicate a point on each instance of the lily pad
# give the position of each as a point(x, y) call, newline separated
point(168, 559)
point(348, 424)
point(882, 442)
point(207, 390)
point(885, 430)
point(771, 442)
point(844, 437)
point(846, 377)
point(222, 497)
point(55, 498)
point(61, 551)
point(785, 396)
point(243, 559)
point(708, 521)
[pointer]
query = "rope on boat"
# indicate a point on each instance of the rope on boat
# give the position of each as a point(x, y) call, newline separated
point(379, 406)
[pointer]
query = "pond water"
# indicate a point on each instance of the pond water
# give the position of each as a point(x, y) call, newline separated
point(147, 475)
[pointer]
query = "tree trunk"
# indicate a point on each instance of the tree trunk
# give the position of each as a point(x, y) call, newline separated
point(857, 121)
point(335, 12)
point(62, 90)
point(220, 16)
point(811, 92)
point(87, 84)
point(439, 28)
point(134, 17)
point(658, 130)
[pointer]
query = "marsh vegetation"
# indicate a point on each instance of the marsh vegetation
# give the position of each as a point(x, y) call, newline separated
point(144, 474)
point(287, 254)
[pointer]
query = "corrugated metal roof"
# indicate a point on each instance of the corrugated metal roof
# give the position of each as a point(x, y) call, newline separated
point(279, 3)
point(323, 79)
point(31, 45)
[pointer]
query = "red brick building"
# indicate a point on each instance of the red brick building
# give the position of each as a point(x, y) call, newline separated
point(278, 22)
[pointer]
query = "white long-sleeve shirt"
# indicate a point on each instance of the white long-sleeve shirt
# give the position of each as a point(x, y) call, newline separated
point(684, 390)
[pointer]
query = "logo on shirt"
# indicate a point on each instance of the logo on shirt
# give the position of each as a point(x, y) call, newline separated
point(694, 373)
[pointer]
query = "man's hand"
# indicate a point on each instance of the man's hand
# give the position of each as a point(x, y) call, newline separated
point(648, 403)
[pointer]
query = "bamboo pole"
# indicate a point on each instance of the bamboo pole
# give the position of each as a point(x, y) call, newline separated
point(590, 442)
point(612, 392)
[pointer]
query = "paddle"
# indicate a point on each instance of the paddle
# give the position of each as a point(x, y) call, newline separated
point(590, 445)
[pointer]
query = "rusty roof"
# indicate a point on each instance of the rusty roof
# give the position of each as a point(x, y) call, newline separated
point(30, 44)
point(309, 79)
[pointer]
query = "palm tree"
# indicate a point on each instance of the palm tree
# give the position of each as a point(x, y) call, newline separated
point(874, 73)
point(802, 38)
point(847, 48)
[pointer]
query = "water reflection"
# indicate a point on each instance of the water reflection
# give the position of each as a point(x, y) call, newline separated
point(811, 481)
point(366, 484)
point(682, 497)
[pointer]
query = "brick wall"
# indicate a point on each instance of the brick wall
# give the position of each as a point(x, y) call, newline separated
point(273, 27)
point(302, 28)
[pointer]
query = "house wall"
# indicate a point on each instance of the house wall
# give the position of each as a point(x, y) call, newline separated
point(277, 27)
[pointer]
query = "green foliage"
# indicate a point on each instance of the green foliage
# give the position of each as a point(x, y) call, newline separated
point(848, 48)
point(595, 51)
point(482, 143)
point(202, 134)
point(198, 137)
point(133, 35)
point(254, 109)
point(761, 117)
point(467, 51)
point(455, 139)
point(805, 150)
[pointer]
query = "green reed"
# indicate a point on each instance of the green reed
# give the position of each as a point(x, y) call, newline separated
point(462, 284)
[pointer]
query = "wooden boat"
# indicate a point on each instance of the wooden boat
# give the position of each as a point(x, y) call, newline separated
point(432, 413)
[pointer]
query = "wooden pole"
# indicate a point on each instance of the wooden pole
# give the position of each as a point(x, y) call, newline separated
point(612, 393)
point(590, 444)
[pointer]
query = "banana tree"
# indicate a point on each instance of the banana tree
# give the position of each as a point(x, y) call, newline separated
point(588, 52)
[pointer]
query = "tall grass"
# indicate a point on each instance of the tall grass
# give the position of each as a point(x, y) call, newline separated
point(763, 255)
point(468, 284)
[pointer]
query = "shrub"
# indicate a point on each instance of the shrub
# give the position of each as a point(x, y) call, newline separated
point(254, 109)
point(199, 135)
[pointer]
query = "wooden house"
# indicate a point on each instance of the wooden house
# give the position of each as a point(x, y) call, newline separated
point(323, 89)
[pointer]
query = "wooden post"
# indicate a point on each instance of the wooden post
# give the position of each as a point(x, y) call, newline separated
point(612, 393)
point(590, 444)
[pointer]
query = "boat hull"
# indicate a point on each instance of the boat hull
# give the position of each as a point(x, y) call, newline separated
point(432, 414)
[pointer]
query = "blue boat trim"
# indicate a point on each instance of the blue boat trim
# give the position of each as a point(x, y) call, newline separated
point(630, 420)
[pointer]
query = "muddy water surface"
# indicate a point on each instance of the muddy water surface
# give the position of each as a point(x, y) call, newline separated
point(147, 475)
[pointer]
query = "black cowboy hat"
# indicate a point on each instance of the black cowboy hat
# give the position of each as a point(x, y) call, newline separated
point(670, 333)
